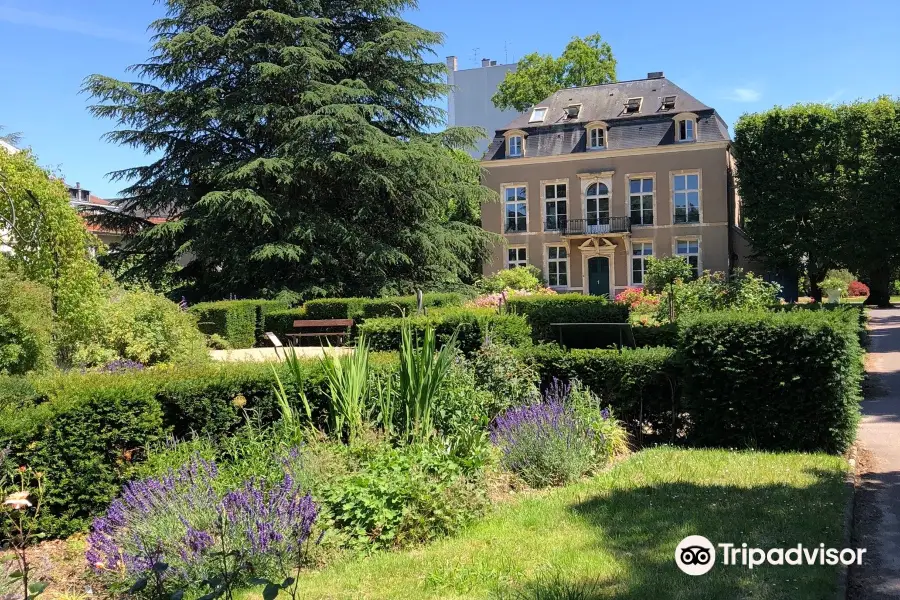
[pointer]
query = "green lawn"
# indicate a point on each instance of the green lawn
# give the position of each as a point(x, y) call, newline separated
point(620, 530)
point(861, 299)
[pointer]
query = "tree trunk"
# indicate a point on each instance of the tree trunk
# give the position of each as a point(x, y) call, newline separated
point(880, 286)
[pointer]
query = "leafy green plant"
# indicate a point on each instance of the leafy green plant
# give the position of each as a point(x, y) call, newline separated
point(663, 274)
point(26, 324)
point(348, 381)
point(540, 311)
point(500, 370)
point(518, 278)
point(19, 522)
point(145, 327)
point(423, 370)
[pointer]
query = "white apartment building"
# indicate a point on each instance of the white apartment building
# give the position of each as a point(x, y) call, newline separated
point(469, 101)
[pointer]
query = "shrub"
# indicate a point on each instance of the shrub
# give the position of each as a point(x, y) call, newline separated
point(360, 309)
point(639, 385)
point(652, 336)
point(144, 327)
point(541, 311)
point(26, 325)
point(499, 369)
point(402, 496)
point(241, 322)
point(472, 326)
point(775, 381)
point(281, 322)
point(857, 289)
point(91, 429)
point(184, 517)
point(518, 278)
point(544, 443)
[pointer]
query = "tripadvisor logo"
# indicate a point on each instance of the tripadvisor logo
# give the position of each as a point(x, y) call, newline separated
point(696, 555)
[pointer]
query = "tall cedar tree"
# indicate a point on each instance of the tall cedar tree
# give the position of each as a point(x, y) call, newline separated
point(294, 152)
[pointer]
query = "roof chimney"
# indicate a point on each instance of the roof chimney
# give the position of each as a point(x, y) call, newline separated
point(655, 75)
point(451, 63)
point(493, 63)
point(485, 62)
point(77, 185)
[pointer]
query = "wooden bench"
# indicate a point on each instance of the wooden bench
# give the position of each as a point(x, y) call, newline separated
point(327, 327)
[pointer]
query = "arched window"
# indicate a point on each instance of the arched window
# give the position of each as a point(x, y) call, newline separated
point(597, 204)
point(686, 127)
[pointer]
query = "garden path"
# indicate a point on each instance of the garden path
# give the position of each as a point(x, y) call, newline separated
point(877, 502)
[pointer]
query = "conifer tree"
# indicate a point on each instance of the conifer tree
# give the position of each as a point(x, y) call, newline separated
point(295, 149)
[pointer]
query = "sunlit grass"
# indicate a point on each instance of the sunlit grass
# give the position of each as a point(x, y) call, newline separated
point(620, 530)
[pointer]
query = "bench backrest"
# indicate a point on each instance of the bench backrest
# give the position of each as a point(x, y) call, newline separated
point(324, 323)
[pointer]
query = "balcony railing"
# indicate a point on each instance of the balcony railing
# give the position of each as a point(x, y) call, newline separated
point(595, 226)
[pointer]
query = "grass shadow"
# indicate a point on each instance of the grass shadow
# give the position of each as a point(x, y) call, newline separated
point(643, 525)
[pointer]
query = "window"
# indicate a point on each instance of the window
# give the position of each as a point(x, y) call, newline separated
point(516, 208)
point(633, 105)
point(516, 257)
point(596, 138)
point(690, 250)
point(515, 146)
point(597, 204)
point(640, 199)
point(557, 266)
point(537, 115)
point(639, 253)
point(555, 206)
point(686, 198)
point(686, 127)
point(668, 102)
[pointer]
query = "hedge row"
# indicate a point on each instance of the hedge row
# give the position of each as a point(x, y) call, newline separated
point(367, 308)
point(778, 381)
point(280, 322)
point(241, 322)
point(473, 325)
point(541, 311)
point(640, 385)
point(774, 381)
point(86, 431)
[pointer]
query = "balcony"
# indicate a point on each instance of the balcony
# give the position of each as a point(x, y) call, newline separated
point(590, 227)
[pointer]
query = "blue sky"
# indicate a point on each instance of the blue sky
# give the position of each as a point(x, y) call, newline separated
point(736, 56)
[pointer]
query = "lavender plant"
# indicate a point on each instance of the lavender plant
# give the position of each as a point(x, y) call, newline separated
point(544, 443)
point(121, 365)
point(183, 528)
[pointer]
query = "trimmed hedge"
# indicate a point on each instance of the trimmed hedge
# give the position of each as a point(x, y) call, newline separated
point(640, 385)
point(541, 311)
point(87, 431)
point(280, 322)
point(241, 322)
point(360, 309)
point(775, 381)
point(652, 336)
point(473, 324)
point(855, 314)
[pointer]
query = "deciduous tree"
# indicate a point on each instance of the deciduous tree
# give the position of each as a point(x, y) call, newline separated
point(585, 61)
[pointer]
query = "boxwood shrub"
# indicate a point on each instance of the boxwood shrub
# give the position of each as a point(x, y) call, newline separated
point(640, 385)
point(280, 322)
point(775, 381)
point(88, 431)
point(541, 311)
point(360, 309)
point(473, 324)
point(241, 322)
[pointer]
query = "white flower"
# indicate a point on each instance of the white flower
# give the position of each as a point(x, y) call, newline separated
point(18, 500)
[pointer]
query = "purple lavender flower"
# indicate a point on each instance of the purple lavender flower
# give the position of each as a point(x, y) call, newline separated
point(121, 365)
point(545, 442)
point(604, 413)
point(177, 517)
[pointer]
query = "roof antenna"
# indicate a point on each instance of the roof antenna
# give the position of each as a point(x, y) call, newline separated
point(506, 52)
point(475, 56)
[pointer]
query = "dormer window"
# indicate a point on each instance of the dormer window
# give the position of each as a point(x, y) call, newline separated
point(686, 127)
point(596, 135)
point(633, 105)
point(668, 102)
point(515, 143)
point(538, 114)
point(572, 111)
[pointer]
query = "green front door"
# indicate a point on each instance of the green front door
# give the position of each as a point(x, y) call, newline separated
point(598, 276)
